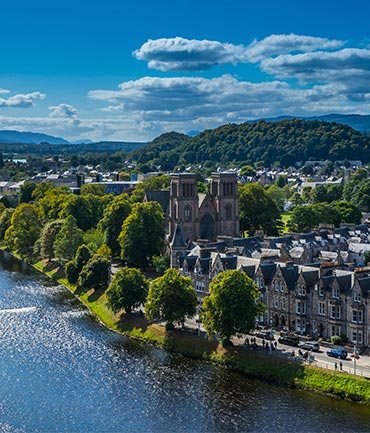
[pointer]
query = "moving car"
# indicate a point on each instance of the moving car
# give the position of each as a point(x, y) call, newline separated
point(310, 345)
point(338, 353)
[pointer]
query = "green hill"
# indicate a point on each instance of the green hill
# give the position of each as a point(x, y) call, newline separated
point(281, 143)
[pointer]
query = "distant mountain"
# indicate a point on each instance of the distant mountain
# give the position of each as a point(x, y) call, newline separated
point(356, 121)
point(8, 137)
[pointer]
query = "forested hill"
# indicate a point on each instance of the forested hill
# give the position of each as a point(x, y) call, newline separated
point(284, 143)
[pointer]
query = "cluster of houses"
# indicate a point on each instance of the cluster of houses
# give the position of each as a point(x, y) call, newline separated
point(315, 284)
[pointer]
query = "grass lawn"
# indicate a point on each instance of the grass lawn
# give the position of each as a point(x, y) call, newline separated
point(285, 218)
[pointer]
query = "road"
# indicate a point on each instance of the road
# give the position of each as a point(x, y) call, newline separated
point(360, 367)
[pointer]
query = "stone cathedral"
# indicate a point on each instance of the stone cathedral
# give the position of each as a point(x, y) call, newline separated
point(194, 215)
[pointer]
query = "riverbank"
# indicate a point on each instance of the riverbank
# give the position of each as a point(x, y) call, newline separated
point(264, 367)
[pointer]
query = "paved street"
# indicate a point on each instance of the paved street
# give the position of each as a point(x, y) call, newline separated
point(320, 359)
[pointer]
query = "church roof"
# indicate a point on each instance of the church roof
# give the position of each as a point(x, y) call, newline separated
point(162, 197)
point(178, 239)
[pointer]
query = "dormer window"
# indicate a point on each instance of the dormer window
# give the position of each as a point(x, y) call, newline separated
point(356, 297)
point(335, 293)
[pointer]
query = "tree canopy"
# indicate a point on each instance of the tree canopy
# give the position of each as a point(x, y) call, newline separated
point(142, 234)
point(232, 305)
point(171, 298)
point(257, 210)
point(128, 290)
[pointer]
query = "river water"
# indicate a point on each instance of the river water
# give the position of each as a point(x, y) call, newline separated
point(61, 371)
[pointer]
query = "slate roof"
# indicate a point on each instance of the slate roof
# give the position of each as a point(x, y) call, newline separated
point(268, 270)
point(290, 275)
point(162, 197)
point(178, 239)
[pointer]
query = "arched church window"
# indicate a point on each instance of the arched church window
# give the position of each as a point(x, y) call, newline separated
point(187, 213)
point(228, 212)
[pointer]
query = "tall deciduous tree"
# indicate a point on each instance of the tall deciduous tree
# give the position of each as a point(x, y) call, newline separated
point(128, 290)
point(111, 224)
point(25, 227)
point(48, 236)
point(257, 210)
point(95, 274)
point(232, 305)
point(25, 193)
point(142, 234)
point(171, 298)
point(69, 238)
point(5, 220)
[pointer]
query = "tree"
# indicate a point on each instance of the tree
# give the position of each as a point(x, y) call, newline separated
point(25, 193)
point(79, 208)
point(111, 224)
point(128, 290)
point(69, 238)
point(95, 274)
point(277, 195)
point(25, 228)
point(94, 189)
point(232, 305)
point(171, 298)
point(349, 212)
point(142, 234)
point(41, 189)
point(47, 239)
point(5, 220)
point(74, 267)
point(257, 210)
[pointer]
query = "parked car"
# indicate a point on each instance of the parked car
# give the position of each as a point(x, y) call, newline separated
point(290, 340)
point(310, 345)
point(264, 333)
point(338, 353)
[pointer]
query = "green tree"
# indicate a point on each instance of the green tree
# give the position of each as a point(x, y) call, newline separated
point(68, 239)
point(5, 220)
point(79, 208)
point(95, 274)
point(47, 239)
point(74, 267)
point(257, 210)
point(232, 305)
point(94, 189)
point(41, 189)
point(277, 195)
point(142, 234)
point(171, 298)
point(128, 290)
point(349, 212)
point(25, 228)
point(111, 224)
point(25, 193)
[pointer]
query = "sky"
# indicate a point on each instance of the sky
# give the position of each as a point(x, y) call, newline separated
point(131, 70)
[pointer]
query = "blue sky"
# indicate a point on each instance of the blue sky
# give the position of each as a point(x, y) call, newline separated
point(130, 70)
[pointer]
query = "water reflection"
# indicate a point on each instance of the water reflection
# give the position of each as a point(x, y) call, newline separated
point(61, 371)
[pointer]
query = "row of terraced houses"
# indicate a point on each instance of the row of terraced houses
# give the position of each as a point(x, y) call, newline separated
point(315, 284)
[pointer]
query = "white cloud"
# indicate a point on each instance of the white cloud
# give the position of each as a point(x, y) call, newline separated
point(179, 54)
point(63, 110)
point(349, 67)
point(283, 44)
point(4, 91)
point(21, 100)
point(183, 103)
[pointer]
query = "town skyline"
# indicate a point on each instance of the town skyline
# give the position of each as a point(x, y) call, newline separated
point(131, 72)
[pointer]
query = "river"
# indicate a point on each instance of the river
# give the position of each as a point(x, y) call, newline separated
point(61, 371)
